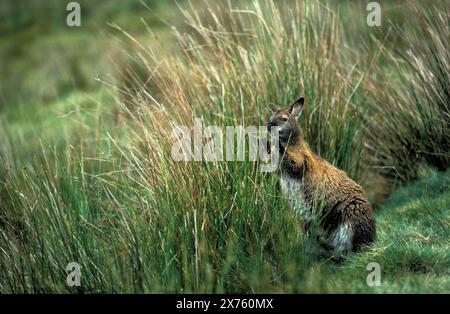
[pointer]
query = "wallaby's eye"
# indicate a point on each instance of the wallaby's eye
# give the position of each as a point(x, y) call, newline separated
point(284, 119)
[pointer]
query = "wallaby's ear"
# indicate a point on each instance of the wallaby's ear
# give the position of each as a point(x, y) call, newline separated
point(297, 107)
point(273, 107)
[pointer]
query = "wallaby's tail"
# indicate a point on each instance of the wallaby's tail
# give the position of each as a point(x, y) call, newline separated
point(364, 233)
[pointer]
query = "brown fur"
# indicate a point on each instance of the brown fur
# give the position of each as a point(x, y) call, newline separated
point(342, 200)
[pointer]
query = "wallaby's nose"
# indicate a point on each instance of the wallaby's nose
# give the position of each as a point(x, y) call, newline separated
point(269, 127)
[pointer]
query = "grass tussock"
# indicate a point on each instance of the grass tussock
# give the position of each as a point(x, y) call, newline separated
point(410, 122)
point(110, 196)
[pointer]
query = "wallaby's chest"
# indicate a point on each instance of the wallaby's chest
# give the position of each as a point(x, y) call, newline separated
point(293, 190)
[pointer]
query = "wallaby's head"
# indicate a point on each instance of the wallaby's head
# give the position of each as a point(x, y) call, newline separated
point(285, 119)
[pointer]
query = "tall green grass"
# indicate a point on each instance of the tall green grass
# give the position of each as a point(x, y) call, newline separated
point(110, 197)
point(410, 122)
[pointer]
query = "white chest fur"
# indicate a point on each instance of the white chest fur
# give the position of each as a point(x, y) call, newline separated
point(292, 189)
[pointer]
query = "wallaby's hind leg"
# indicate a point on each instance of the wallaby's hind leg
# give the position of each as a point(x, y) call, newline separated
point(336, 245)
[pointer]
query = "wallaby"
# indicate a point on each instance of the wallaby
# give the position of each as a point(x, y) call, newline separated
point(315, 188)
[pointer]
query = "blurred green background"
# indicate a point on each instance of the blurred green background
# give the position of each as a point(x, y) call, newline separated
point(71, 150)
point(42, 59)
